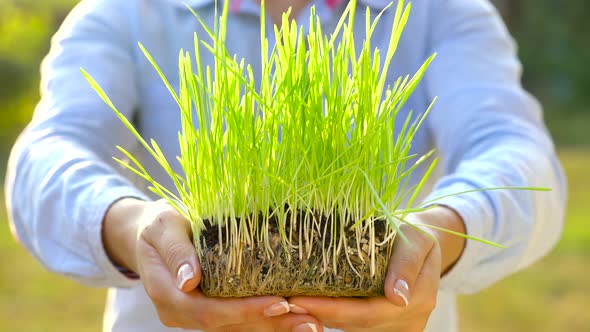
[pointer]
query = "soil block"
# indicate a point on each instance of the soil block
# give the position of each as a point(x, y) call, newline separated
point(320, 265)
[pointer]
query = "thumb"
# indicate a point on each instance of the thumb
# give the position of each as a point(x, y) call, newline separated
point(405, 264)
point(170, 235)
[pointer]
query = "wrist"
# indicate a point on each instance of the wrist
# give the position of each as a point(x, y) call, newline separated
point(119, 232)
point(451, 245)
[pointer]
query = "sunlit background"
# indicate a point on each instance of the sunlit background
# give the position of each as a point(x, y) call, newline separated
point(552, 295)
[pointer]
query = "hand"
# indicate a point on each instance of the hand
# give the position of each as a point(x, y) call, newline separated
point(411, 284)
point(154, 240)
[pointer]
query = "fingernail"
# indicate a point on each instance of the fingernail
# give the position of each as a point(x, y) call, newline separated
point(306, 327)
point(277, 309)
point(402, 290)
point(297, 309)
point(185, 273)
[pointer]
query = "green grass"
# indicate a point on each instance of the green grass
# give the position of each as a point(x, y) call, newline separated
point(552, 295)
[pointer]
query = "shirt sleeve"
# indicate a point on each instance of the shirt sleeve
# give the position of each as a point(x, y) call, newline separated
point(61, 177)
point(490, 133)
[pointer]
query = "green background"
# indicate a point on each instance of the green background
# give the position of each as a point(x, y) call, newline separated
point(552, 295)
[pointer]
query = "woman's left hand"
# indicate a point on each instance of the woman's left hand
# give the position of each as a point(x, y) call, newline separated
point(411, 284)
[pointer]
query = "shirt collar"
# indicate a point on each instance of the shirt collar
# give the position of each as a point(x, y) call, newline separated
point(374, 4)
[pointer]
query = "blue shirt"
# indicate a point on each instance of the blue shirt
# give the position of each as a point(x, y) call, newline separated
point(488, 131)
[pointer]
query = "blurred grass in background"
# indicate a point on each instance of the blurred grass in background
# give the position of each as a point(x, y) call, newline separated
point(552, 295)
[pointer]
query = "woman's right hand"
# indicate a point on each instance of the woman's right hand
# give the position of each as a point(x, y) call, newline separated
point(154, 240)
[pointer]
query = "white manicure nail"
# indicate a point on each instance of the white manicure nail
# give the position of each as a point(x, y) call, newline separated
point(185, 273)
point(297, 309)
point(277, 309)
point(285, 304)
point(312, 327)
point(402, 290)
point(400, 294)
point(404, 284)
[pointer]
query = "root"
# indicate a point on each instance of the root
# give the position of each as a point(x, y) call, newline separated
point(357, 268)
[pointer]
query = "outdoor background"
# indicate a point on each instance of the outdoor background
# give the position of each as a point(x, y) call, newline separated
point(552, 295)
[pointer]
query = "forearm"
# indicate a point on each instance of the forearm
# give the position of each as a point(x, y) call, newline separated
point(527, 223)
point(120, 229)
point(451, 245)
point(57, 193)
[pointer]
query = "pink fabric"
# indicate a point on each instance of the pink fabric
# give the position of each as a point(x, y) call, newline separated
point(234, 5)
point(333, 3)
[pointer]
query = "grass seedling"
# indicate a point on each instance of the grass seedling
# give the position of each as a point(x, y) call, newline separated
point(293, 180)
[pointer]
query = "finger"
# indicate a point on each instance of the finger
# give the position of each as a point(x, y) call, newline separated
point(169, 233)
point(194, 310)
point(426, 291)
point(212, 313)
point(289, 322)
point(406, 261)
point(428, 281)
point(297, 323)
point(161, 287)
point(346, 313)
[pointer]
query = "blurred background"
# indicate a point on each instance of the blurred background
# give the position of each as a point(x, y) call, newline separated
point(552, 295)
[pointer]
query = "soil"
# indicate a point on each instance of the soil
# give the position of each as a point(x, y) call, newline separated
point(319, 266)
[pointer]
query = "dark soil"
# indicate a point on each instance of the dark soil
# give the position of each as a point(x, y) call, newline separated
point(316, 267)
